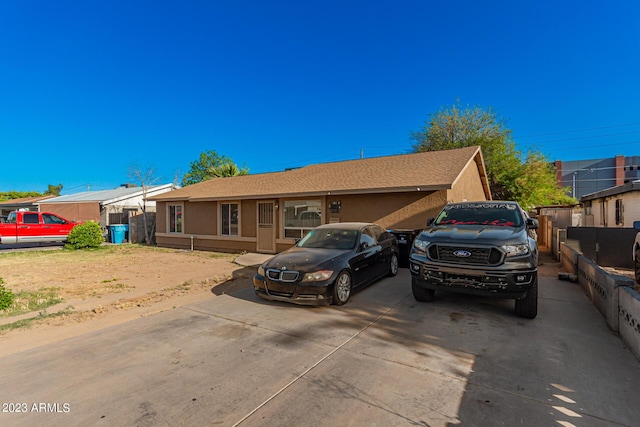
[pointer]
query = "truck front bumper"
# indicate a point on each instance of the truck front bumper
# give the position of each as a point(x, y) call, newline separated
point(511, 280)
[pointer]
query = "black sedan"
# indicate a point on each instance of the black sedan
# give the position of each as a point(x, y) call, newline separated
point(328, 264)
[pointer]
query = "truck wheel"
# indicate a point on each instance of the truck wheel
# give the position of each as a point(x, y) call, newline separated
point(421, 294)
point(527, 307)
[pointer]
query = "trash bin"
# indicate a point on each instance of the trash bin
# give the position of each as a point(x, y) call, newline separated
point(118, 232)
point(405, 239)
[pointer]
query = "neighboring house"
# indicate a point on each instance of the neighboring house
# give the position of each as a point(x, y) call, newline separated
point(24, 203)
point(107, 206)
point(614, 207)
point(584, 177)
point(268, 212)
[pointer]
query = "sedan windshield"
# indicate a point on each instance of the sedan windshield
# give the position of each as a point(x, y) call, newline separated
point(329, 238)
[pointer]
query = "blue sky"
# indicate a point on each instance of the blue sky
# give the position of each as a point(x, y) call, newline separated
point(91, 88)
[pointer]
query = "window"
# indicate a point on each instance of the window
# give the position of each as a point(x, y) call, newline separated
point(300, 216)
point(52, 219)
point(619, 212)
point(29, 218)
point(175, 218)
point(229, 216)
point(367, 238)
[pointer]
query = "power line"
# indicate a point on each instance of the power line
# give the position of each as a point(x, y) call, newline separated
point(578, 138)
point(579, 130)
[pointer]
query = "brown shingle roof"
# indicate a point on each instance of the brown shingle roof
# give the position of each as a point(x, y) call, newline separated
point(435, 170)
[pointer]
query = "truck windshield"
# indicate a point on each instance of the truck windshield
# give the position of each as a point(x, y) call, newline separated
point(480, 214)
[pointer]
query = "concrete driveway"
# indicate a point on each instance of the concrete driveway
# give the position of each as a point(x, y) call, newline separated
point(381, 360)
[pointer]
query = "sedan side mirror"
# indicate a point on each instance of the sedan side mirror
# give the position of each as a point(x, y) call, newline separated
point(532, 223)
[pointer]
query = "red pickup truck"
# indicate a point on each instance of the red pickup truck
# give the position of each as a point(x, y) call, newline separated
point(34, 227)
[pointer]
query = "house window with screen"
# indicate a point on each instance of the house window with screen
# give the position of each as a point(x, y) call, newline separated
point(229, 215)
point(300, 216)
point(175, 218)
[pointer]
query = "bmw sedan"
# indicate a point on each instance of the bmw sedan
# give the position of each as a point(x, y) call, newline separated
point(328, 264)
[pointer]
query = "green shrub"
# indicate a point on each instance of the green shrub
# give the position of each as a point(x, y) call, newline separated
point(85, 235)
point(6, 296)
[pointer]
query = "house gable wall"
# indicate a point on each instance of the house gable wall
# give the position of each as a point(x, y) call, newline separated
point(466, 186)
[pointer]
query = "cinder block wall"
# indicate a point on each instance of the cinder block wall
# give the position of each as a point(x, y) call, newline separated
point(612, 294)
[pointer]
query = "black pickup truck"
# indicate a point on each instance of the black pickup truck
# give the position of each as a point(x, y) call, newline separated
point(483, 248)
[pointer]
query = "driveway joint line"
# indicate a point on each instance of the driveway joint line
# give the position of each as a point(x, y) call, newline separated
point(309, 369)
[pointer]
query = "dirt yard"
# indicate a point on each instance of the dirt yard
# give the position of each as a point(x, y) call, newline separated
point(105, 287)
point(121, 283)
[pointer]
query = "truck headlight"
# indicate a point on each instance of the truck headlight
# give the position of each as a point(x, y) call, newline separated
point(516, 250)
point(420, 245)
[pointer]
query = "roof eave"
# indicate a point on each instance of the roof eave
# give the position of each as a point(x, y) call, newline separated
point(426, 188)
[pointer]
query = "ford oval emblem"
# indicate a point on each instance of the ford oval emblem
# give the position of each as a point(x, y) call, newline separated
point(462, 253)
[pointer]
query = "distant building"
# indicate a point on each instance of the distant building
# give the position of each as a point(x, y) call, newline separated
point(589, 176)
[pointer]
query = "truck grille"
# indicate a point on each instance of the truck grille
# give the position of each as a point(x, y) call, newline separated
point(282, 275)
point(466, 255)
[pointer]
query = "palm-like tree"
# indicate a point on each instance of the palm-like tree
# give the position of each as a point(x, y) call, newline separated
point(226, 170)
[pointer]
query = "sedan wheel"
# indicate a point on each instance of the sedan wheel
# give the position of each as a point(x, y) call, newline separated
point(636, 265)
point(393, 265)
point(342, 288)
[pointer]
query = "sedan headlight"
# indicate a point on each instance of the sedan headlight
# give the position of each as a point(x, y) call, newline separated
point(317, 276)
point(516, 250)
point(261, 271)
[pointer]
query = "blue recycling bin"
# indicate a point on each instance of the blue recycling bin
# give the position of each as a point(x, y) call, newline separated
point(117, 232)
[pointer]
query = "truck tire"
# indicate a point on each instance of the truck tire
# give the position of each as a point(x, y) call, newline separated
point(421, 294)
point(527, 307)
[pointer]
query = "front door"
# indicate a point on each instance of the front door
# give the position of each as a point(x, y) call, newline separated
point(266, 228)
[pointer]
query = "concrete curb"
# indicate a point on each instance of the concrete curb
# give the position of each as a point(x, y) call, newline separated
point(251, 259)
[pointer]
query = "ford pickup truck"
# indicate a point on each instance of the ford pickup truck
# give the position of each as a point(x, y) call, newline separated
point(34, 227)
point(485, 248)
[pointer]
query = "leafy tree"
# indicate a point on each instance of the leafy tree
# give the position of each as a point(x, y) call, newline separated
point(209, 165)
point(53, 190)
point(10, 195)
point(529, 180)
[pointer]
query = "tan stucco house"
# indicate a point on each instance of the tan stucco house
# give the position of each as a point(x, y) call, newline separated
point(267, 212)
